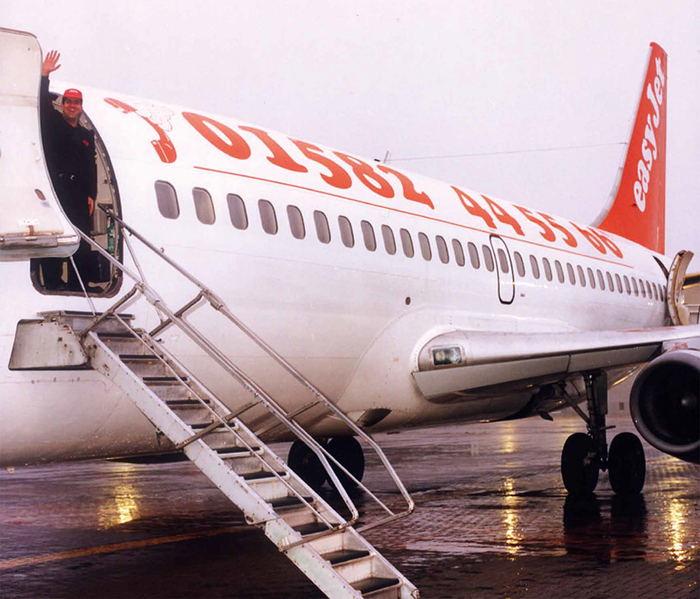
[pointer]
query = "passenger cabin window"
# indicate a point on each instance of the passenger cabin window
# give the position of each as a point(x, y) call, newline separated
point(560, 271)
point(346, 234)
point(519, 264)
point(473, 255)
point(203, 206)
point(459, 252)
point(503, 261)
point(611, 285)
point(407, 243)
point(581, 276)
point(601, 280)
point(488, 257)
point(323, 231)
point(656, 292)
point(535, 267)
point(268, 218)
point(627, 285)
point(570, 272)
point(442, 249)
point(296, 222)
point(547, 269)
point(167, 199)
point(591, 278)
point(619, 283)
point(641, 288)
point(424, 243)
point(368, 235)
point(634, 286)
point(237, 212)
point(389, 241)
point(649, 289)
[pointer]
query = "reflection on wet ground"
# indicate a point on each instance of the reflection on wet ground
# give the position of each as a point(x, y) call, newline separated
point(492, 520)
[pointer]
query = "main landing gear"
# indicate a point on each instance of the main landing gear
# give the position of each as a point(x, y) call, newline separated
point(584, 455)
point(348, 452)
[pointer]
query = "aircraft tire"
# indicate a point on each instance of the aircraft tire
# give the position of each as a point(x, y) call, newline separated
point(579, 465)
point(626, 464)
point(306, 465)
point(349, 452)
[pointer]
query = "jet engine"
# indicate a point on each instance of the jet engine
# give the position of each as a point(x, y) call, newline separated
point(665, 404)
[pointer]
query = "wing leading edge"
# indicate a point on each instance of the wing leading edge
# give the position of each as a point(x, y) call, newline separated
point(457, 364)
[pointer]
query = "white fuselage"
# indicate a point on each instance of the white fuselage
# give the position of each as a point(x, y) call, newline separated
point(350, 318)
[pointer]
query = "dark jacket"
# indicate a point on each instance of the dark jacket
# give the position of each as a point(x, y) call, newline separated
point(70, 155)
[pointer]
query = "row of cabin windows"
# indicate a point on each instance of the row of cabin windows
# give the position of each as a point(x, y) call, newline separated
point(204, 208)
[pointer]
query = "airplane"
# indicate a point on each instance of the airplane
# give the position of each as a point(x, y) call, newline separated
point(250, 287)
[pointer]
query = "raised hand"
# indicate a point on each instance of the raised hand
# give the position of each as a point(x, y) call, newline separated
point(51, 63)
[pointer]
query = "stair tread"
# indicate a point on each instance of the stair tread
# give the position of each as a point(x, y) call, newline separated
point(162, 379)
point(366, 586)
point(236, 449)
point(342, 556)
point(186, 402)
point(289, 501)
point(310, 528)
point(263, 474)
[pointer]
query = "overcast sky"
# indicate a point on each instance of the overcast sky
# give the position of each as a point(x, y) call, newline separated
point(504, 80)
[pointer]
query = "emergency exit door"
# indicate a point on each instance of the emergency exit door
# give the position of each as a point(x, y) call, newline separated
point(504, 270)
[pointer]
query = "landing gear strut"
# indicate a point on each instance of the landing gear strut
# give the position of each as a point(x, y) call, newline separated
point(584, 455)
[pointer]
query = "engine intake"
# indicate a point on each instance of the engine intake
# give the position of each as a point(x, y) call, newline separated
point(665, 404)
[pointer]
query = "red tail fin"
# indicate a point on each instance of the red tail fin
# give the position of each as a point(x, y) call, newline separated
point(639, 205)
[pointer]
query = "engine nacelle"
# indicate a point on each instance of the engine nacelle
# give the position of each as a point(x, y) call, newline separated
point(665, 404)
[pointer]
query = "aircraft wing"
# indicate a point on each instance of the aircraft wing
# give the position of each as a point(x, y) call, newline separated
point(458, 365)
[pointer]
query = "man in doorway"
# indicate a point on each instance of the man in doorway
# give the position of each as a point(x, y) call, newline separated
point(70, 154)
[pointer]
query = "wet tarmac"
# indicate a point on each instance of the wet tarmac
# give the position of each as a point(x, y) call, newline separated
point(492, 520)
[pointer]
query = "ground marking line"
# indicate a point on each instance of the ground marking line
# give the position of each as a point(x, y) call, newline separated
point(61, 555)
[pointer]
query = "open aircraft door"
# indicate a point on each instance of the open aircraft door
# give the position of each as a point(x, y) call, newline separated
point(675, 297)
point(32, 224)
point(504, 270)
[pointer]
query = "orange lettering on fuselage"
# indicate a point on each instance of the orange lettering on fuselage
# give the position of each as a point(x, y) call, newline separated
point(230, 142)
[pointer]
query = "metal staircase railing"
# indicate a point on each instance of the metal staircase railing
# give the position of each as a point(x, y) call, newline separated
point(333, 555)
point(287, 419)
point(217, 410)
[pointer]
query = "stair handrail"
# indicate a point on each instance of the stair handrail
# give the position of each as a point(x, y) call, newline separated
point(221, 306)
point(168, 359)
point(218, 304)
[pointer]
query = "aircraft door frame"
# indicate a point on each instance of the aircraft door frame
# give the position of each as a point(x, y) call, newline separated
point(504, 271)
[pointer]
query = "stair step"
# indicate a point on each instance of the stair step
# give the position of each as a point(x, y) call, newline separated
point(310, 528)
point(184, 404)
point(237, 451)
point(286, 502)
point(153, 381)
point(146, 365)
point(124, 343)
point(375, 584)
point(263, 475)
point(343, 556)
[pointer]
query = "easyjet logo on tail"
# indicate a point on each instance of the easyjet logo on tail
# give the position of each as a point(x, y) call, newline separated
point(655, 95)
point(638, 211)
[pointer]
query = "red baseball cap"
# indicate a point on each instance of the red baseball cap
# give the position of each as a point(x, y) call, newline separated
point(73, 93)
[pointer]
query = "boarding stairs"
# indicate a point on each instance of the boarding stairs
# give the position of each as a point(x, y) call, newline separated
point(325, 546)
